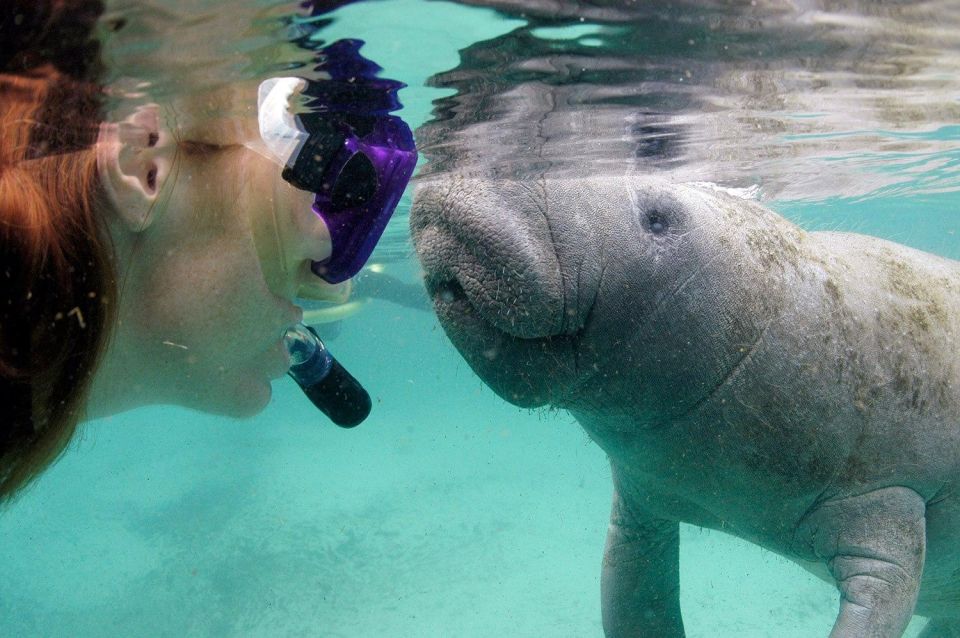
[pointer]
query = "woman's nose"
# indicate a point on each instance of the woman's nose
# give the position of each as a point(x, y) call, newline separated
point(310, 242)
point(309, 235)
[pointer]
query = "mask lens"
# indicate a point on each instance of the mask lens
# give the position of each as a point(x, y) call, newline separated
point(319, 150)
point(349, 152)
point(356, 184)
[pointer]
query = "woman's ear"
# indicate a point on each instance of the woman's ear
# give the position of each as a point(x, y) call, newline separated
point(134, 159)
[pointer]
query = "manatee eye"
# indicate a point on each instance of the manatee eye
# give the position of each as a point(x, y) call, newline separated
point(657, 223)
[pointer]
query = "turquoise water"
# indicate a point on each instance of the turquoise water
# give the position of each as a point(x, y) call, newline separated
point(447, 513)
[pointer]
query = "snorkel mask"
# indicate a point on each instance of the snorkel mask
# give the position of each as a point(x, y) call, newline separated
point(357, 166)
point(335, 138)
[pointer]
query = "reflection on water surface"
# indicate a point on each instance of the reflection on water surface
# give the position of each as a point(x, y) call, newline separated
point(806, 100)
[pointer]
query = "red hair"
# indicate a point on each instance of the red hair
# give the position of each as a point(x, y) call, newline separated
point(57, 278)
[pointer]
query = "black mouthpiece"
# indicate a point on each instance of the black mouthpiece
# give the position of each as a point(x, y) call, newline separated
point(340, 397)
point(327, 383)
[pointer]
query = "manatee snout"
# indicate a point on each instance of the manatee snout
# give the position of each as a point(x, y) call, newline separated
point(512, 280)
point(497, 250)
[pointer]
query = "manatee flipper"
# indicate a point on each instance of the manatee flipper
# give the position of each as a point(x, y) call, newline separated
point(941, 628)
point(874, 545)
point(640, 583)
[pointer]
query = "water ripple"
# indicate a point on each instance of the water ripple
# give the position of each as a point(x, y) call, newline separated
point(804, 100)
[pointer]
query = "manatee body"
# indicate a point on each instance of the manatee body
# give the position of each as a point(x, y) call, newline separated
point(800, 390)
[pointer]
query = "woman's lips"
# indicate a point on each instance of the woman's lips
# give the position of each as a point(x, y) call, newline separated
point(277, 354)
point(295, 318)
point(278, 361)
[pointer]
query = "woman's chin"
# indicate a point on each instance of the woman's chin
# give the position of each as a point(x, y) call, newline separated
point(248, 392)
point(250, 398)
point(241, 398)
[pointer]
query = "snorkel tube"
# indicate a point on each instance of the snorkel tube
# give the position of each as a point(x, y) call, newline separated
point(342, 145)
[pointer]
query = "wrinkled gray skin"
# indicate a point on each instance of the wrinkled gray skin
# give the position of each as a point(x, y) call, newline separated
point(798, 390)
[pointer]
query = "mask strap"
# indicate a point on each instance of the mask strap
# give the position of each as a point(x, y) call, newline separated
point(280, 138)
point(281, 251)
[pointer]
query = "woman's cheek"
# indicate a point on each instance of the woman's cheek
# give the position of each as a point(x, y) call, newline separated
point(204, 298)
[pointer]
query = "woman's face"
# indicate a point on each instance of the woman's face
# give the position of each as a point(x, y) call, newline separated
point(208, 284)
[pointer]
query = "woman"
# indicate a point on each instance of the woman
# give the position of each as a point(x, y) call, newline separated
point(140, 264)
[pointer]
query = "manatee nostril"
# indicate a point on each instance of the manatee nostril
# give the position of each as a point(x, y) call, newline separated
point(446, 290)
point(657, 223)
point(451, 290)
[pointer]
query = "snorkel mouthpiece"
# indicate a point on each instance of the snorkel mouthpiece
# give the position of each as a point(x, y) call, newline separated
point(325, 382)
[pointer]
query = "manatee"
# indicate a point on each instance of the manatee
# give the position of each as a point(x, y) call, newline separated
point(800, 390)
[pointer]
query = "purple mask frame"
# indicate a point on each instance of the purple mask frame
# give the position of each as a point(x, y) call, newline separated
point(355, 231)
